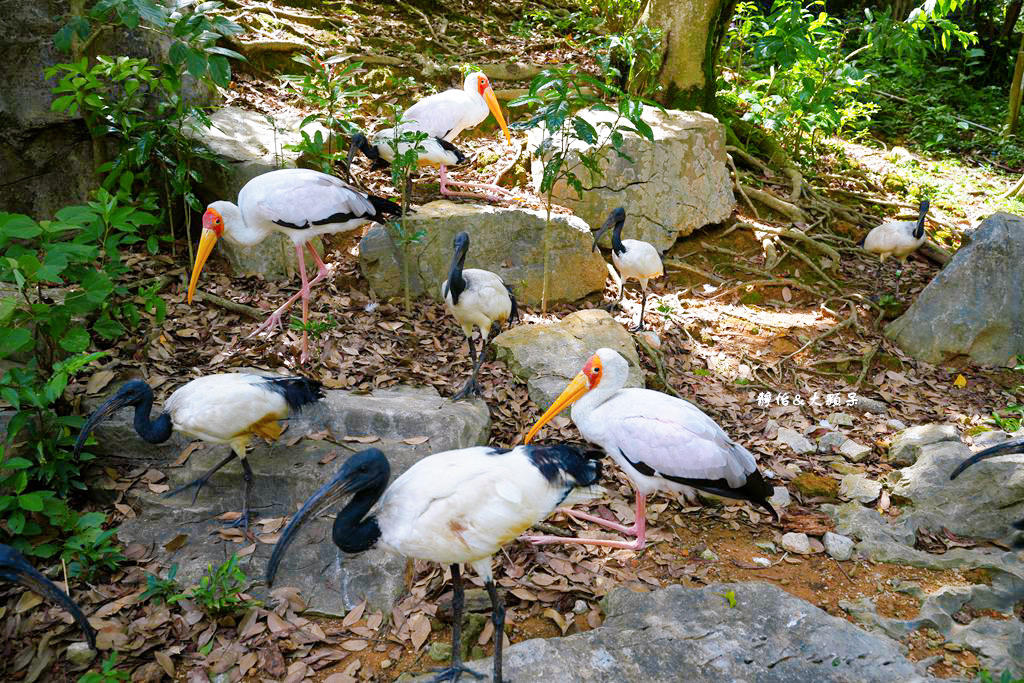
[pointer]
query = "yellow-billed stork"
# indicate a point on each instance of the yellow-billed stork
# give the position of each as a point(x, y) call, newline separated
point(476, 298)
point(442, 117)
point(228, 408)
point(661, 443)
point(296, 202)
point(634, 259)
point(1005, 448)
point(16, 569)
point(455, 507)
point(899, 239)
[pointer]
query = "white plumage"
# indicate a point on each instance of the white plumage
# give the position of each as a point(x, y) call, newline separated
point(475, 298)
point(661, 442)
point(227, 408)
point(442, 117)
point(634, 259)
point(456, 507)
point(898, 239)
point(296, 202)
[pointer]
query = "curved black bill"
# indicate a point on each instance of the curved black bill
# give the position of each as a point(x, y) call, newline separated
point(18, 570)
point(113, 404)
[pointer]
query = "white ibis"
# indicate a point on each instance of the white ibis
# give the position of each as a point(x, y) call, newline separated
point(899, 239)
point(226, 408)
point(16, 569)
point(295, 202)
point(442, 117)
point(477, 298)
point(661, 442)
point(1005, 448)
point(455, 507)
point(634, 259)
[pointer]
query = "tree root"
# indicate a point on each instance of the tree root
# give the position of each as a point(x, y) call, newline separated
point(791, 211)
point(739, 186)
point(682, 265)
point(829, 332)
point(865, 364)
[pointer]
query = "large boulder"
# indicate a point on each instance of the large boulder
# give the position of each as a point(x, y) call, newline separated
point(250, 145)
point(675, 184)
point(407, 424)
point(547, 355)
point(507, 241)
point(975, 306)
point(679, 634)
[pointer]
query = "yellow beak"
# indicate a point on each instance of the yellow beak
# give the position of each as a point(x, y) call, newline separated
point(206, 242)
point(577, 387)
point(492, 104)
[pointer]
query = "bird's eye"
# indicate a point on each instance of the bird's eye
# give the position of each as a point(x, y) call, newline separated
point(597, 371)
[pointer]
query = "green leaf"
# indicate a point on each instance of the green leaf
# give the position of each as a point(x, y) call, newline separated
point(16, 522)
point(33, 502)
point(226, 52)
point(108, 328)
point(16, 463)
point(220, 70)
point(75, 340)
point(13, 340)
point(584, 131)
point(18, 226)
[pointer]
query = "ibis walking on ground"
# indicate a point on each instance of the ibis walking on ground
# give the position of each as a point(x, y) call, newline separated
point(661, 442)
point(226, 408)
point(300, 204)
point(442, 117)
point(455, 507)
point(899, 239)
point(1005, 448)
point(16, 569)
point(477, 298)
point(634, 259)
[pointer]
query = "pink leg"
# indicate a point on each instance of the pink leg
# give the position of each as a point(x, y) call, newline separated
point(274, 321)
point(489, 189)
point(639, 529)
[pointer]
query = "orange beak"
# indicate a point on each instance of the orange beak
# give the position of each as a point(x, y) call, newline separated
point(206, 242)
point(577, 387)
point(492, 104)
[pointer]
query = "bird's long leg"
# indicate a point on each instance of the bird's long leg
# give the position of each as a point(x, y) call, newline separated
point(243, 521)
point(199, 482)
point(444, 184)
point(643, 304)
point(498, 618)
point(638, 529)
point(275, 318)
point(471, 388)
point(878, 279)
point(899, 274)
point(457, 668)
point(305, 306)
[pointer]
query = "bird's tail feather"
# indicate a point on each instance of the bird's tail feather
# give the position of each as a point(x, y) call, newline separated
point(514, 315)
point(566, 462)
point(384, 206)
point(297, 391)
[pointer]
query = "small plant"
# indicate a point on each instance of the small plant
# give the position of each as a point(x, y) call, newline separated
point(108, 673)
point(1006, 421)
point(618, 15)
point(1006, 677)
point(160, 590)
point(314, 328)
point(218, 592)
point(631, 60)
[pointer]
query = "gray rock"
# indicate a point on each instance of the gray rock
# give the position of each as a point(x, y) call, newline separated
point(286, 475)
point(797, 543)
point(674, 185)
point(907, 446)
point(974, 306)
point(795, 440)
point(859, 487)
point(841, 419)
point(838, 546)
point(507, 241)
point(854, 452)
point(893, 423)
point(80, 654)
point(831, 441)
point(780, 497)
point(676, 634)
point(548, 356)
point(864, 404)
point(248, 142)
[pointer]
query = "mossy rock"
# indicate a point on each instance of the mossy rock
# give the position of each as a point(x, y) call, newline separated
point(816, 485)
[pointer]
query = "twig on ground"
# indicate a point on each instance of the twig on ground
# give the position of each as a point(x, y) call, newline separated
point(865, 364)
point(682, 265)
point(739, 187)
point(829, 332)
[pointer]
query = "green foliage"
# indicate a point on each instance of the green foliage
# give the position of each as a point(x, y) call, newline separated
point(314, 328)
point(618, 15)
point(108, 673)
point(631, 59)
point(558, 22)
point(1006, 677)
point(557, 95)
point(327, 87)
point(218, 590)
point(160, 590)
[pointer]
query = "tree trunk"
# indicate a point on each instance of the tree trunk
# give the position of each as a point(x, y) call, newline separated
point(1015, 90)
point(693, 35)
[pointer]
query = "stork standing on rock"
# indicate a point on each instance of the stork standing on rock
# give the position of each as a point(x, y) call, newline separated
point(634, 259)
point(661, 443)
point(16, 569)
point(456, 507)
point(442, 117)
point(300, 204)
point(899, 239)
point(479, 298)
point(226, 408)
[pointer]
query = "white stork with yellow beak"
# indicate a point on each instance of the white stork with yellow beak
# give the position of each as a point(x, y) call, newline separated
point(662, 443)
point(298, 203)
point(442, 117)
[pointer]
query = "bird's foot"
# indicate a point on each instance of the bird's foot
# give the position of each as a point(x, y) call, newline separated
point(469, 390)
point(453, 672)
point(242, 522)
point(637, 544)
point(638, 328)
point(611, 308)
point(198, 483)
point(269, 325)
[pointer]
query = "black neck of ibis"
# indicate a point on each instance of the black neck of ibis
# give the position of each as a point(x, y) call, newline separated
point(151, 431)
point(457, 283)
point(353, 531)
point(922, 210)
point(617, 235)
